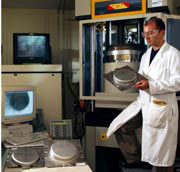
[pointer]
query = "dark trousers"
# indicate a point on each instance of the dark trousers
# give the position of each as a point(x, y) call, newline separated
point(129, 140)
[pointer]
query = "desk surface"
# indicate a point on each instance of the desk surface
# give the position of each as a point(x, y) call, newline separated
point(59, 169)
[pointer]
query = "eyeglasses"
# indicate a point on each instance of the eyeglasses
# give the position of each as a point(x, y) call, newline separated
point(150, 33)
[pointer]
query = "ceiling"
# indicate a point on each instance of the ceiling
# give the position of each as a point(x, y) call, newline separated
point(39, 4)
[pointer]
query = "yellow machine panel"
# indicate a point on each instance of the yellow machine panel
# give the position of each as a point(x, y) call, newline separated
point(106, 8)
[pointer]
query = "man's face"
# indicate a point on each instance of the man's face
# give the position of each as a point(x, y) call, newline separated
point(153, 35)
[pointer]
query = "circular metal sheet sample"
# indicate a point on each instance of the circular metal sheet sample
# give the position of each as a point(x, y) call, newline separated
point(124, 76)
point(63, 151)
point(25, 156)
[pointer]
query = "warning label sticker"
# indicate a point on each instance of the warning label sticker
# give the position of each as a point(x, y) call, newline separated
point(118, 6)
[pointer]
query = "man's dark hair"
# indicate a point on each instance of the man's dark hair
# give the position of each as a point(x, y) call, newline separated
point(159, 23)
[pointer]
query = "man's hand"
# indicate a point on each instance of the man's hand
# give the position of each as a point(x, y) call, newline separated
point(142, 85)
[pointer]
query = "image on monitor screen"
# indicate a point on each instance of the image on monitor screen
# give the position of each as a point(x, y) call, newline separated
point(31, 46)
point(18, 104)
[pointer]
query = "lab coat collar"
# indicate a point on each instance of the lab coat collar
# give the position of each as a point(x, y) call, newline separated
point(158, 56)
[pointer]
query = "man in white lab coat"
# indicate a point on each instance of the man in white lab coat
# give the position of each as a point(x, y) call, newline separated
point(157, 99)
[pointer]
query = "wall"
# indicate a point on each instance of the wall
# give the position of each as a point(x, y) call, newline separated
point(27, 21)
point(82, 7)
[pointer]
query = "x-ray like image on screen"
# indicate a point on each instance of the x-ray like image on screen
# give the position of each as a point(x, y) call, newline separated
point(18, 103)
point(31, 46)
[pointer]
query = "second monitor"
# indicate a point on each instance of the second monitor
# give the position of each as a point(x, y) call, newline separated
point(18, 104)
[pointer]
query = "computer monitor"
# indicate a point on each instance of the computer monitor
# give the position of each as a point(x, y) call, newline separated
point(18, 104)
point(31, 48)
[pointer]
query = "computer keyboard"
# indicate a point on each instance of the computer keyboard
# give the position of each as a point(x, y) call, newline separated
point(28, 138)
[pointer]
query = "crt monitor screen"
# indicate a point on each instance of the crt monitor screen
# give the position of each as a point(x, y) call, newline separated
point(18, 104)
point(31, 48)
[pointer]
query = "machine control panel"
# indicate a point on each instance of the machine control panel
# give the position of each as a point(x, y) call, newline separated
point(61, 129)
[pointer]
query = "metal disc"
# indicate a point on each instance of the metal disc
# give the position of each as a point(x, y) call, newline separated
point(63, 151)
point(124, 76)
point(25, 156)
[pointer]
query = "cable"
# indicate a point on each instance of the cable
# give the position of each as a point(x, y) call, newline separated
point(80, 108)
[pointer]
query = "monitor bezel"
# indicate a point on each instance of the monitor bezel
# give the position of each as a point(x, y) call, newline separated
point(20, 119)
point(23, 60)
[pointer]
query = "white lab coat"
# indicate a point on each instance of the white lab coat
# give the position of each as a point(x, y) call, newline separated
point(160, 117)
